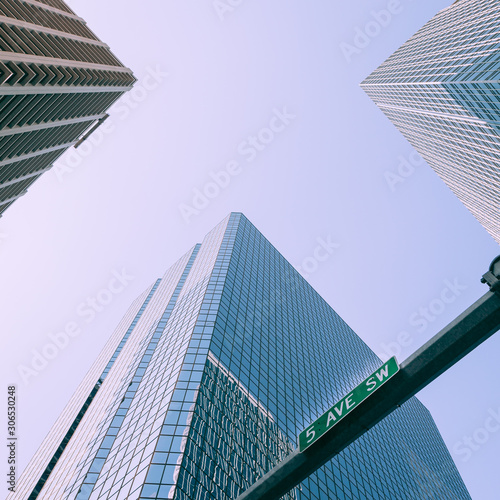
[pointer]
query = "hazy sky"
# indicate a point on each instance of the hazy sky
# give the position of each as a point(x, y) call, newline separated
point(130, 201)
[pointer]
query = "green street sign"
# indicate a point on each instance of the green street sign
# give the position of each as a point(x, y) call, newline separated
point(337, 412)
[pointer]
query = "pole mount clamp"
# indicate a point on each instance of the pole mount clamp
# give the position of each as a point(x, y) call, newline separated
point(492, 277)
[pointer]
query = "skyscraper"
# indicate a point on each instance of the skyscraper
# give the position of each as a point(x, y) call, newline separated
point(57, 79)
point(207, 382)
point(441, 89)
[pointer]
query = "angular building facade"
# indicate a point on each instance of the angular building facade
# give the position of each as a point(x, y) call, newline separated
point(441, 89)
point(209, 379)
point(57, 79)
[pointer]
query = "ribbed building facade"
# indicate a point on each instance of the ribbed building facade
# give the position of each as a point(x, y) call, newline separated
point(57, 79)
point(209, 379)
point(441, 89)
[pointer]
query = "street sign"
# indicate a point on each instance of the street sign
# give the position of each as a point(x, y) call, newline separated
point(328, 420)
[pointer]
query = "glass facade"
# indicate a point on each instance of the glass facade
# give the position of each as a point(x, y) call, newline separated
point(441, 89)
point(233, 355)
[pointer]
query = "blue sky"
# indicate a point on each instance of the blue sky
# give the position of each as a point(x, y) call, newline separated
point(129, 203)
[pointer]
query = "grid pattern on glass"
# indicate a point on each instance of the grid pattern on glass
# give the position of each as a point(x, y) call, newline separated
point(441, 88)
point(114, 427)
point(127, 463)
point(38, 464)
point(162, 477)
point(292, 357)
point(225, 451)
point(64, 442)
point(78, 449)
point(94, 445)
point(89, 400)
point(81, 446)
point(161, 381)
point(129, 331)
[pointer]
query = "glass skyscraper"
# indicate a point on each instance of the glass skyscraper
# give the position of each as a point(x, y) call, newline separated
point(57, 79)
point(441, 89)
point(209, 379)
